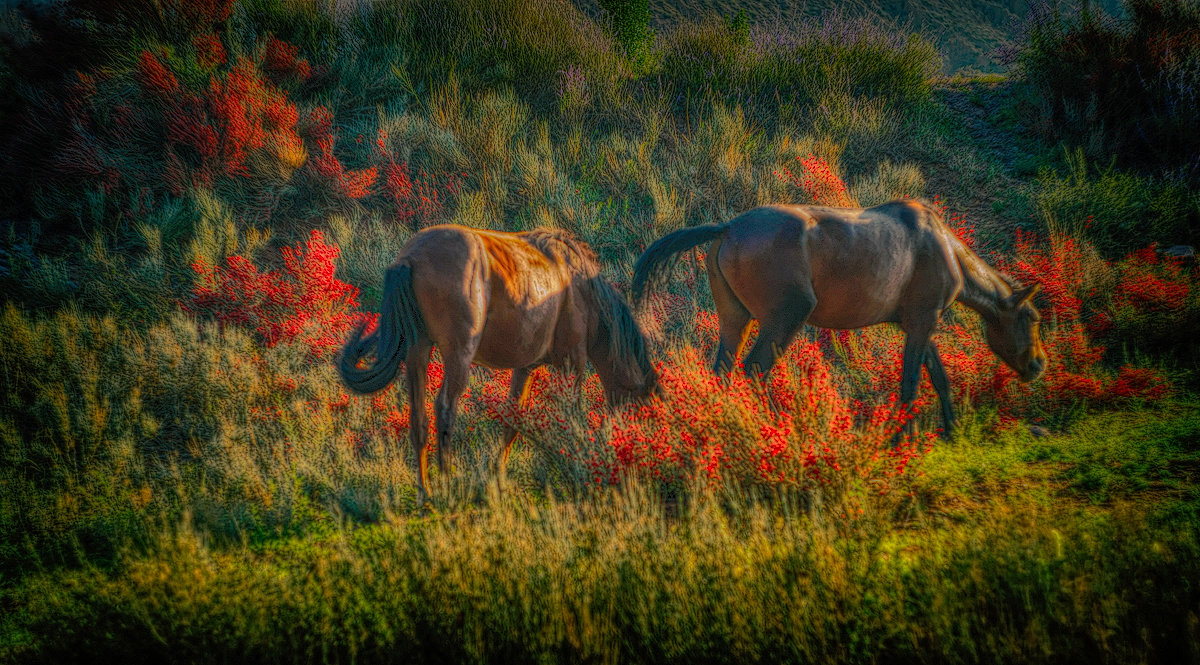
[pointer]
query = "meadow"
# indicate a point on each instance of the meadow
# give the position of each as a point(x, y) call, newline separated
point(199, 200)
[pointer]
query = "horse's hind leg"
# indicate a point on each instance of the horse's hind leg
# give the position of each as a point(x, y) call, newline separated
point(457, 374)
point(732, 315)
point(416, 369)
point(777, 330)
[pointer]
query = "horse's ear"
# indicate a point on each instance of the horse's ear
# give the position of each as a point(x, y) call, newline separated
point(1021, 295)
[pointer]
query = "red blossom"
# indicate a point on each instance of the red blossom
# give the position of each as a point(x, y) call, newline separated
point(210, 52)
point(417, 199)
point(154, 76)
point(281, 62)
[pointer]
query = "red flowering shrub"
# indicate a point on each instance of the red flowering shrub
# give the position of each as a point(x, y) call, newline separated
point(304, 303)
point(1057, 265)
point(417, 199)
point(1140, 383)
point(154, 77)
point(170, 132)
point(819, 182)
point(210, 52)
point(280, 61)
point(1151, 284)
point(1153, 305)
point(326, 169)
point(798, 430)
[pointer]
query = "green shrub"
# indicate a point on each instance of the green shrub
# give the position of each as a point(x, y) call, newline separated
point(1130, 87)
point(629, 21)
point(1117, 210)
point(508, 43)
point(786, 71)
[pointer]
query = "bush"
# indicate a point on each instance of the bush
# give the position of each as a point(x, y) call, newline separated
point(799, 435)
point(1116, 210)
point(504, 43)
point(785, 71)
point(1127, 87)
point(167, 124)
point(1152, 308)
point(629, 21)
point(304, 303)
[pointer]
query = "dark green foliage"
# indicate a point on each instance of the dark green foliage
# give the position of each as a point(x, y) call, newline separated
point(1128, 87)
point(1116, 209)
point(739, 25)
point(630, 23)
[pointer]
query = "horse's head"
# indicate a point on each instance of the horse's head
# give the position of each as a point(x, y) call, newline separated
point(1012, 334)
point(625, 382)
point(624, 367)
point(618, 348)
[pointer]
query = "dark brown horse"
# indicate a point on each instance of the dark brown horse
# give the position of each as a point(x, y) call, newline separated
point(502, 300)
point(787, 265)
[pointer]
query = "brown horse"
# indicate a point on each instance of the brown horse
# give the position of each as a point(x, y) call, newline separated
point(502, 300)
point(787, 265)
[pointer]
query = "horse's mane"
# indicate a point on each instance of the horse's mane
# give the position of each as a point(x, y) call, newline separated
point(625, 335)
point(562, 245)
point(626, 339)
point(963, 248)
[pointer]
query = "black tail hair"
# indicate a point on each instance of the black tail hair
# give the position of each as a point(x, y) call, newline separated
point(400, 324)
point(653, 265)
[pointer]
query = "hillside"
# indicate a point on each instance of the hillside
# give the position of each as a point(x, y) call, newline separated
point(968, 34)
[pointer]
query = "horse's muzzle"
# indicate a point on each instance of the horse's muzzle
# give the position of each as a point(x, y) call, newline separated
point(1034, 369)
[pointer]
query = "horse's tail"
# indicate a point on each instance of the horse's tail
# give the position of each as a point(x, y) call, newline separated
point(400, 324)
point(652, 265)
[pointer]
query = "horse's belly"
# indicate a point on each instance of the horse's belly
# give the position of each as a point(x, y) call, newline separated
point(841, 320)
point(847, 308)
point(513, 338)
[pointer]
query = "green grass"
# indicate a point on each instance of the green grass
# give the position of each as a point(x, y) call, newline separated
point(1009, 560)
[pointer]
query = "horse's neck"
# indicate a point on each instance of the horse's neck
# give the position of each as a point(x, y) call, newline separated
point(983, 288)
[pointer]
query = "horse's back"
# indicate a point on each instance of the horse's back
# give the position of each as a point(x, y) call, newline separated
point(504, 260)
point(860, 264)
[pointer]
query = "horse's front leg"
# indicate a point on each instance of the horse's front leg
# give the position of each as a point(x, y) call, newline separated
point(915, 343)
point(416, 369)
point(941, 384)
